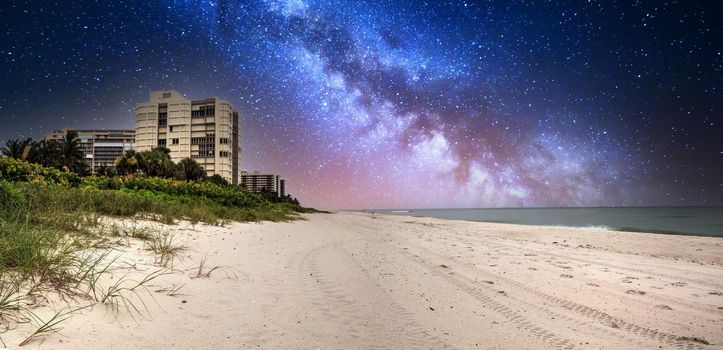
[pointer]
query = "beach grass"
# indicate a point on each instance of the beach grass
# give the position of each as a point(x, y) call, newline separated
point(166, 246)
point(59, 234)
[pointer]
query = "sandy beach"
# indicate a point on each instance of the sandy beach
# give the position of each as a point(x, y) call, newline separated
point(357, 281)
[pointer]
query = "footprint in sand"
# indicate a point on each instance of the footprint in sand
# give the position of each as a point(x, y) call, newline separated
point(566, 276)
point(633, 291)
point(664, 307)
point(679, 284)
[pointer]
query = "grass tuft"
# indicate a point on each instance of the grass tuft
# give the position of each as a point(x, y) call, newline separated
point(204, 271)
point(52, 325)
point(10, 302)
point(55, 236)
point(172, 290)
point(125, 290)
point(165, 245)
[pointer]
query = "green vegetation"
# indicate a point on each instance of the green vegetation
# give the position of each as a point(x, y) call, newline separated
point(65, 154)
point(189, 170)
point(52, 325)
point(54, 238)
point(166, 247)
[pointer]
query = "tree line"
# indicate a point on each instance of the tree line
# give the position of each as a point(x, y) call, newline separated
point(67, 154)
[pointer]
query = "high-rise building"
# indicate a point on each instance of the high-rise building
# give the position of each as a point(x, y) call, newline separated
point(256, 181)
point(204, 130)
point(100, 147)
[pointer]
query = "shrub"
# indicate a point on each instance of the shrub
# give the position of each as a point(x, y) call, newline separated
point(218, 180)
point(18, 170)
point(227, 195)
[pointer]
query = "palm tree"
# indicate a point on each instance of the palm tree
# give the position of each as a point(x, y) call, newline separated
point(18, 149)
point(45, 153)
point(70, 152)
point(189, 170)
point(81, 168)
point(156, 162)
point(127, 163)
point(107, 171)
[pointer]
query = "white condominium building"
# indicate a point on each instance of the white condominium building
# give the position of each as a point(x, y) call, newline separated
point(205, 130)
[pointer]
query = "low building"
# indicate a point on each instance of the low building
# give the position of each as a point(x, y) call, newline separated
point(100, 147)
point(256, 181)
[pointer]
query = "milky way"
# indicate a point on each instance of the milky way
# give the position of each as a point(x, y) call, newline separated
point(404, 104)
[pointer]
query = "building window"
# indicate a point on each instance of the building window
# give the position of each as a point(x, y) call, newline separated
point(223, 141)
point(162, 119)
point(223, 154)
point(161, 142)
point(208, 140)
point(174, 141)
point(170, 128)
point(204, 111)
point(166, 95)
point(203, 154)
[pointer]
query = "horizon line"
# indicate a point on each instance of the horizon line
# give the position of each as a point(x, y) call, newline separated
point(542, 207)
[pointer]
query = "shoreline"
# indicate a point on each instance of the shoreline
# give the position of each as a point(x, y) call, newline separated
point(619, 228)
point(560, 231)
point(353, 280)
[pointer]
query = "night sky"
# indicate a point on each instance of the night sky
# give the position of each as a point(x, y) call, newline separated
point(402, 104)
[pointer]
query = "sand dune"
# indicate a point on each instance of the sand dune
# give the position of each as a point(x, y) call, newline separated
point(352, 281)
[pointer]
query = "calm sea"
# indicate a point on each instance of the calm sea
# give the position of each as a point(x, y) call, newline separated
point(703, 221)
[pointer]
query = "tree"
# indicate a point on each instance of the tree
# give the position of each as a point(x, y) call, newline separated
point(71, 155)
point(289, 199)
point(269, 195)
point(156, 162)
point(18, 149)
point(218, 180)
point(81, 168)
point(45, 153)
point(107, 171)
point(127, 163)
point(189, 170)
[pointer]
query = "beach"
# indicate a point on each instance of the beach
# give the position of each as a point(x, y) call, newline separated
point(354, 280)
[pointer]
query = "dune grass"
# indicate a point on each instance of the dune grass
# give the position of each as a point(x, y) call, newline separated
point(166, 246)
point(44, 229)
point(58, 235)
point(51, 325)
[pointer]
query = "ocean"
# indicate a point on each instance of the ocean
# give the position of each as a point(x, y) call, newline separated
point(698, 221)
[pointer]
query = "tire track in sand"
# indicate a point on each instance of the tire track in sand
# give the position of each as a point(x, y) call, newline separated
point(374, 322)
point(614, 326)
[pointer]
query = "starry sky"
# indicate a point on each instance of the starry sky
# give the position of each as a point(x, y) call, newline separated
point(402, 104)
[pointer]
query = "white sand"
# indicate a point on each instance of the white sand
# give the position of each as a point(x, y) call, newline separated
point(350, 281)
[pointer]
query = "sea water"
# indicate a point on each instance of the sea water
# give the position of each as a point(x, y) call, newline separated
point(702, 221)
